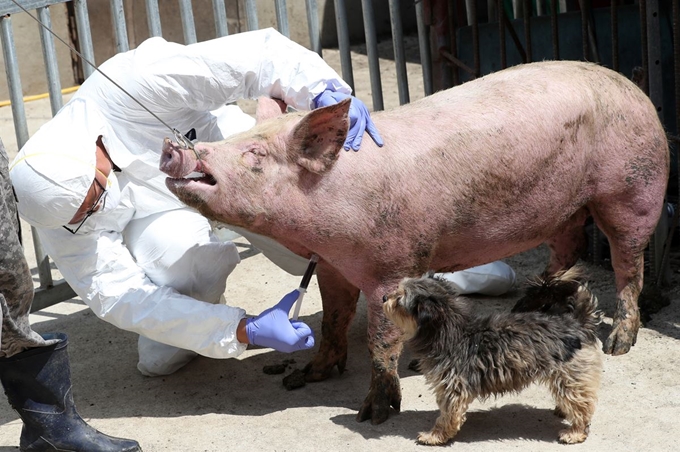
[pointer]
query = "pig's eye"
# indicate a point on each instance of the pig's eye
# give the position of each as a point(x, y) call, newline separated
point(257, 149)
point(253, 157)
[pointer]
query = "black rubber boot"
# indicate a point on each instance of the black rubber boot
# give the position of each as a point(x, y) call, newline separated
point(37, 383)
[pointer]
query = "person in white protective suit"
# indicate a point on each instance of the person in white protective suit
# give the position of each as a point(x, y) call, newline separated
point(89, 182)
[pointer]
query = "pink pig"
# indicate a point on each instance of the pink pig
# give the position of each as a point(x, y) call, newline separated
point(467, 176)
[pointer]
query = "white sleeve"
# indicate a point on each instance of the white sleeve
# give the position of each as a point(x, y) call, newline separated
point(209, 74)
point(102, 272)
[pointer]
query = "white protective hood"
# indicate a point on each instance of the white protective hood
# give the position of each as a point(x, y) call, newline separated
point(52, 176)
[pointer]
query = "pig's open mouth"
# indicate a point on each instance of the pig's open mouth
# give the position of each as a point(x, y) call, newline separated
point(201, 178)
point(196, 180)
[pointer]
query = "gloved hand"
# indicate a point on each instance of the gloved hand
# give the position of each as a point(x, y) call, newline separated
point(359, 118)
point(273, 329)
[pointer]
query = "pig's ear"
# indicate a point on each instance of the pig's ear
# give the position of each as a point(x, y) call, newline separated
point(319, 137)
point(268, 108)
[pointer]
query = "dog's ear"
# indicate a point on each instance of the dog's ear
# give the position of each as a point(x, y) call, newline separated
point(426, 312)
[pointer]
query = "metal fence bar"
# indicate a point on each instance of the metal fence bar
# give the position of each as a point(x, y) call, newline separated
point(615, 34)
point(343, 42)
point(119, 28)
point(14, 81)
point(424, 46)
point(527, 29)
point(372, 53)
point(188, 25)
point(475, 37)
point(153, 18)
point(643, 42)
point(84, 35)
point(251, 15)
point(501, 34)
point(313, 26)
point(282, 17)
point(50, 58)
point(654, 79)
point(399, 53)
point(220, 15)
point(554, 27)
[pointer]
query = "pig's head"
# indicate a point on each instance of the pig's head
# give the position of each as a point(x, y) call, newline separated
point(245, 178)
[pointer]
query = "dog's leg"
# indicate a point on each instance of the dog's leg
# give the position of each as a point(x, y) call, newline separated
point(449, 422)
point(575, 389)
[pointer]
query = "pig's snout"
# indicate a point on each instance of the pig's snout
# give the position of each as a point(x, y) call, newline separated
point(175, 162)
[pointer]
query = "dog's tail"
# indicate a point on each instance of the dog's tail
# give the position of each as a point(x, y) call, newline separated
point(585, 310)
point(563, 293)
point(551, 294)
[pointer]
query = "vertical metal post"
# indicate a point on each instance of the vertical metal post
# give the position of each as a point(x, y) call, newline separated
point(527, 30)
point(654, 79)
point(50, 58)
point(501, 34)
point(251, 15)
point(424, 46)
point(584, 29)
point(220, 13)
point(84, 35)
point(643, 42)
point(472, 14)
point(119, 28)
point(343, 41)
point(539, 8)
point(188, 24)
point(153, 18)
point(676, 74)
point(399, 53)
point(470, 6)
point(450, 75)
point(554, 28)
point(282, 17)
point(313, 26)
point(372, 52)
point(615, 34)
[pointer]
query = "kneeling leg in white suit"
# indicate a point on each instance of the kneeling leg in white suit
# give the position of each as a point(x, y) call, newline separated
point(177, 249)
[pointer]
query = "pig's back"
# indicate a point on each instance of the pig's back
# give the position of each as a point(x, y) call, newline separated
point(524, 147)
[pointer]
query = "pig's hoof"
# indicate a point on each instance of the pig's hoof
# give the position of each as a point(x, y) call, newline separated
point(377, 404)
point(621, 339)
point(319, 371)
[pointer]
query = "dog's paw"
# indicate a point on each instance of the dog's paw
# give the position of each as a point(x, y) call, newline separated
point(431, 439)
point(572, 436)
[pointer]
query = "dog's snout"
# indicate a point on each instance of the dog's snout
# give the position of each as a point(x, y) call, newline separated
point(385, 298)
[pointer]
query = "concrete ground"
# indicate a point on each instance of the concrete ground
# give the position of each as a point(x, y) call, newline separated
point(219, 405)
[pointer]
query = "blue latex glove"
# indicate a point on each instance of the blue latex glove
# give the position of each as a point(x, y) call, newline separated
point(273, 329)
point(359, 118)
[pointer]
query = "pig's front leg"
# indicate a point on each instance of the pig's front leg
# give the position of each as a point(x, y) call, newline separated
point(385, 345)
point(339, 299)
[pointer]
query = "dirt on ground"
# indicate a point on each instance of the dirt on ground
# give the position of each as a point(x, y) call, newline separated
point(220, 405)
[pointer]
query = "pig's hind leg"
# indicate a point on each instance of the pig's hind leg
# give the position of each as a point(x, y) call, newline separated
point(339, 300)
point(568, 245)
point(628, 228)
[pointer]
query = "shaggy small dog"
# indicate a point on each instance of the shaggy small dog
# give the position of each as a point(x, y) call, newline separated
point(465, 355)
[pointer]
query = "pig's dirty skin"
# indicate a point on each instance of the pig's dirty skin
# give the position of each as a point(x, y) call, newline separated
point(467, 176)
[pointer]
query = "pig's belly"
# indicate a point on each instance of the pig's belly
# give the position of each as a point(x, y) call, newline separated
point(454, 255)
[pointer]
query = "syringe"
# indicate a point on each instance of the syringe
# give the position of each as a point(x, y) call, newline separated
point(305, 283)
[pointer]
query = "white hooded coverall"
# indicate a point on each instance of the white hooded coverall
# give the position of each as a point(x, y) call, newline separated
point(143, 265)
